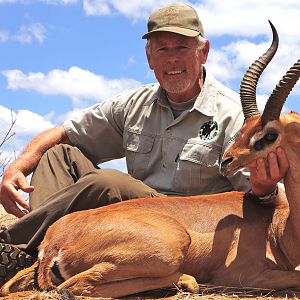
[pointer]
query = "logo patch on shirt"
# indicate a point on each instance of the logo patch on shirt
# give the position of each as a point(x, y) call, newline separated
point(209, 130)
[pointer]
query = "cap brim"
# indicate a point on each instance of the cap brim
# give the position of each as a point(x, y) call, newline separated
point(178, 30)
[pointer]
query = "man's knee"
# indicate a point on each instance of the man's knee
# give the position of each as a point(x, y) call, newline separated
point(60, 149)
point(106, 179)
point(118, 186)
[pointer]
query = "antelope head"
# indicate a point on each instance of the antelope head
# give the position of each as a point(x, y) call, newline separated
point(262, 133)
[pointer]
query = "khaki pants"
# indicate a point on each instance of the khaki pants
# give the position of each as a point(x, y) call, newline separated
point(66, 181)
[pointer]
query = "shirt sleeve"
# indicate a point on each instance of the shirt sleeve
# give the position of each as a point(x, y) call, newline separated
point(98, 130)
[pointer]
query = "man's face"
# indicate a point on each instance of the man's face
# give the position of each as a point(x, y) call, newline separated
point(176, 61)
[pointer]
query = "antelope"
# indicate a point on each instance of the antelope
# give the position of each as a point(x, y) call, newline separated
point(226, 239)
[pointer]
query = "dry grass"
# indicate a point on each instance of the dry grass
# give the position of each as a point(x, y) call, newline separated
point(5, 218)
point(206, 293)
point(220, 293)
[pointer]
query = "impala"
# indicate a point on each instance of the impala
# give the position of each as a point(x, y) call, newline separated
point(224, 239)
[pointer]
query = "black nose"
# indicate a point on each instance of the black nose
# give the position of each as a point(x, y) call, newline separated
point(225, 163)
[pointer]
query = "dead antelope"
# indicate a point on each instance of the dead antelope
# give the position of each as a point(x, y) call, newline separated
point(225, 239)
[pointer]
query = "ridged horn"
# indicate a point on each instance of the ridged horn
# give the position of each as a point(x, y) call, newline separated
point(275, 102)
point(250, 79)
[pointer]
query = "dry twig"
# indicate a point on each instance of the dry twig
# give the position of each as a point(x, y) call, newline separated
point(4, 161)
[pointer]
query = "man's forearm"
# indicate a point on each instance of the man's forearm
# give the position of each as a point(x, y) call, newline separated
point(33, 152)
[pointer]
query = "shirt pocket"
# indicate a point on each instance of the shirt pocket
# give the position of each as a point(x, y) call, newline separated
point(201, 154)
point(138, 148)
point(197, 169)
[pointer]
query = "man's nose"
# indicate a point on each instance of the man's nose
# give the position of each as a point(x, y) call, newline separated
point(173, 55)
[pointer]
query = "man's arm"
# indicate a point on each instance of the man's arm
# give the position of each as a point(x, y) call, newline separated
point(14, 178)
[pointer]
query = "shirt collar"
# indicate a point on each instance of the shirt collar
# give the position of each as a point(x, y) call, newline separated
point(207, 99)
point(159, 95)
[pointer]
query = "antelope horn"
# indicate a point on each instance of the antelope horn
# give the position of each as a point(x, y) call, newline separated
point(275, 102)
point(250, 79)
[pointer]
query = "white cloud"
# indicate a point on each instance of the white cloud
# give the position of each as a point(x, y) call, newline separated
point(218, 17)
point(236, 17)
point(134, 9)
point(4, 36)
point(28, 33)
point(232, 17)
point(229, 63)
point(27, 122)
point(96, 7)
point(27, 125)
point(75, 83)
point(222, 66)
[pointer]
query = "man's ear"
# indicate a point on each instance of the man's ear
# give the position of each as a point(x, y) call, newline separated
point(204, 52)
point(148, 54)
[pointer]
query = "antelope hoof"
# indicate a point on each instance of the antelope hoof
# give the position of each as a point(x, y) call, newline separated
point(188, 283)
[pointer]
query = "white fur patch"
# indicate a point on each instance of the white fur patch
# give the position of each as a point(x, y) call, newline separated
point(41, 254)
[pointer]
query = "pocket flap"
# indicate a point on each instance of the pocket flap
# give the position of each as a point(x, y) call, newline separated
point(202, 154)
point(138, 142)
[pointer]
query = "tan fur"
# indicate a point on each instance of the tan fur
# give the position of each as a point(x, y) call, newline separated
point(225, 239)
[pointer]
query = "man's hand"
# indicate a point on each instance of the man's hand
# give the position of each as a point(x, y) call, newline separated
point(13, 203)
point(14, 178)
point(266, 173)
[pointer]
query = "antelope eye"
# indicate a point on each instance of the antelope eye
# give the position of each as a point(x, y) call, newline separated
point(268, 139)
point(271, 137)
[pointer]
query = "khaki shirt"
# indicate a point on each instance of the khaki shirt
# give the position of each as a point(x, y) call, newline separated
point(174, 156)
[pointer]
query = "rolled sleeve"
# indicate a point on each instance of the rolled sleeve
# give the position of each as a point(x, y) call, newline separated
point(97, 131)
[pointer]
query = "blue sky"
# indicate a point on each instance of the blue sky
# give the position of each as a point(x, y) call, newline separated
point(58, 56)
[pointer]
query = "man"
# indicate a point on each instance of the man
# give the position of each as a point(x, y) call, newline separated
point(172, 134)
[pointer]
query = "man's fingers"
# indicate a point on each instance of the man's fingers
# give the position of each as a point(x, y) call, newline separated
point(14, 196)
point(28, 189)
point(10, 197)
point(24, 186)
point(261, 169)
point(12, 208)
point(282, 161)
point(268, 172)
point(274, 167)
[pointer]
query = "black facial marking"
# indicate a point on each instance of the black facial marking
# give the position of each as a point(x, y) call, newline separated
point(268, 139)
